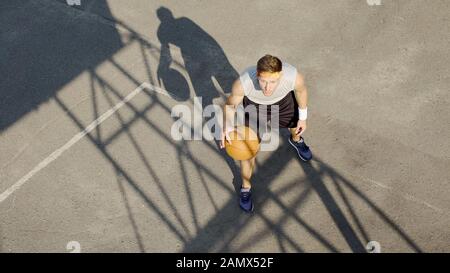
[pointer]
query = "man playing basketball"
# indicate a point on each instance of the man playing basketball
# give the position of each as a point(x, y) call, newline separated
point(269, 83)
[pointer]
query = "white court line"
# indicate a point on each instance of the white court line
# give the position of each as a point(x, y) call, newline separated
point(405, 196)
point(76, 138)
point(107, 114)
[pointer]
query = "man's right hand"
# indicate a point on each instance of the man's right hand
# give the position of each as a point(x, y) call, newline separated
point(225, 137)
point(236, 98)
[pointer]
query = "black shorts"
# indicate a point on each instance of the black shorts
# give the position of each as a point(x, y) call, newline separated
point(287, 111)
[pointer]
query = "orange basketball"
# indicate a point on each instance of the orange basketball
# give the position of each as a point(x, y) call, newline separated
point(244, 143)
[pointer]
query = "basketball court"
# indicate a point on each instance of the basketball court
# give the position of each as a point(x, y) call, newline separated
point(88, 162)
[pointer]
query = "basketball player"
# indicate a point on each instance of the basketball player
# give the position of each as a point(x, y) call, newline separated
point(269, 83)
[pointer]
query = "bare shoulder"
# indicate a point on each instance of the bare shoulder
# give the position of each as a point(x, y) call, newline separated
point(237, 93)
point(237, 89)
point(299, 80)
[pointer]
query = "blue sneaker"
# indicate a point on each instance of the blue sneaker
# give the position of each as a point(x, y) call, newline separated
point(302, 149)
point(245, 201)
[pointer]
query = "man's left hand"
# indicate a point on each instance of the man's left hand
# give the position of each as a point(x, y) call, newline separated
point(301, 127)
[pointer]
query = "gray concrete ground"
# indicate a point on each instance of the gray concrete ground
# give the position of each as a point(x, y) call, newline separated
point(378, 81)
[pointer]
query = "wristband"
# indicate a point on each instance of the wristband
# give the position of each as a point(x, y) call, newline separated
point(303, 113)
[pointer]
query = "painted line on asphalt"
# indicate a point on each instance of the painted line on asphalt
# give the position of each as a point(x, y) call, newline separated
point(57, 153)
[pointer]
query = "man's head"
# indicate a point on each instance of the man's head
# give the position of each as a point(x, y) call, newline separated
point(164, 14)
point(268, 70)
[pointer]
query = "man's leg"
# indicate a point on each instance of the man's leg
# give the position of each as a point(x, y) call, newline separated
point(246, 172)
point(245, 200)
point(247, 166)
point(251, 121)
point(294, 136)
point(300, 146)
point(289, 119)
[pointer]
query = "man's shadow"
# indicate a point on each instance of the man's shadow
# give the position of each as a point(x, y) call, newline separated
point(203, 58)
point(204, 61)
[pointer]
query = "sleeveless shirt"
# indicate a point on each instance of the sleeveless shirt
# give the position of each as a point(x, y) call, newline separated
point(253, 91)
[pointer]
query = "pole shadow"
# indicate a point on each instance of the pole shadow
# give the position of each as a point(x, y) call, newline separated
point(44, 46)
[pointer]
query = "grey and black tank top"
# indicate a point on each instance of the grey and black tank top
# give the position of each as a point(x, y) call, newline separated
point(253, 91)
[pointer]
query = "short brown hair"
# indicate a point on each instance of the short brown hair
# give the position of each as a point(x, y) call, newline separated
point(269, 63)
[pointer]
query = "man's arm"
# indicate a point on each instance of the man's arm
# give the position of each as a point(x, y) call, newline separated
point(165, 59)
point(229, 109)
point(301, 94)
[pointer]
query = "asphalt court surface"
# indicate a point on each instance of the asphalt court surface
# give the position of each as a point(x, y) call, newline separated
point(378, 95)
